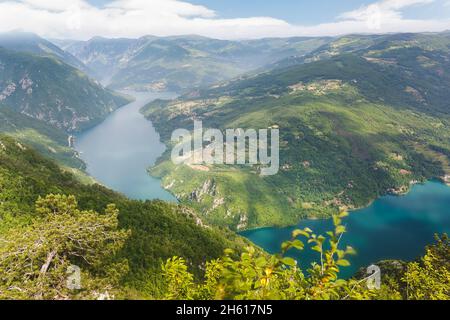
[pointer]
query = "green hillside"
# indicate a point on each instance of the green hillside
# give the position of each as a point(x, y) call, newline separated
point(158, 230)
point(49, 90)
point(362, 44)
point(46, 139)
point(353, 127)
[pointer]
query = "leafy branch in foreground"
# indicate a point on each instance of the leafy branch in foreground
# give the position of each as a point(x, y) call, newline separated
point(34, 259)
point(429, 278)
point(259, 276)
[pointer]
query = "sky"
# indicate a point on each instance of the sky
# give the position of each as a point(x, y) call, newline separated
point(222, 19)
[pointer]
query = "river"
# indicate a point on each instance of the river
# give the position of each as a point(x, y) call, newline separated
point(392, 227)
point(119, 150)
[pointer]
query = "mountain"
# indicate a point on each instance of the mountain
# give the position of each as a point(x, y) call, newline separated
point(183, 62)
point(158, 230)
point(46, 139)
point(101, 55)
point(353, 125)
point(47, 89)
point(361, 44)
point(32, 43)
point(44, 94)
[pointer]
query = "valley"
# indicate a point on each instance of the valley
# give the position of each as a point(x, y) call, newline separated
point(351, 130)
point(181, 63)
point(119, 151)
point(363, 120)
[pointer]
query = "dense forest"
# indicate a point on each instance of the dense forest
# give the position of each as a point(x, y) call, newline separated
point(133, 250)
point(44, 210)
point(359, 118)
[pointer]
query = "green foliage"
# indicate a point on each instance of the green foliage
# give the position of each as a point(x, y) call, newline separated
point(258, 276)
point(46, 139)
point(429, 278)
point(353, 127)
point(158, 230)
point(34, 259)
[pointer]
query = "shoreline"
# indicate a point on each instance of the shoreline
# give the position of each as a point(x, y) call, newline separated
point(409, 188)
point(134, 125)
point(353, 211)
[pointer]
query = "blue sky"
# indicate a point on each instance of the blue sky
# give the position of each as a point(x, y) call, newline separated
point(293, 11)
point(307, 12)
point(225, 19)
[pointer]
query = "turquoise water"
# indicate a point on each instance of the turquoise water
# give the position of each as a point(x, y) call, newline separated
point(119, 151)
point(391, 228)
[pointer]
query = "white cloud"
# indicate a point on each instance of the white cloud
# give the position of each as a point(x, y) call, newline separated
point(383, 12)
point(183, 9)
point(387, 7)
point(133, 18)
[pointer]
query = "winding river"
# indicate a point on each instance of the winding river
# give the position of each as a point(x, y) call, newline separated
point(119, 150)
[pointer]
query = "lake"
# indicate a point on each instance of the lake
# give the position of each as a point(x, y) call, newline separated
point(119, 150)
point(392, 227)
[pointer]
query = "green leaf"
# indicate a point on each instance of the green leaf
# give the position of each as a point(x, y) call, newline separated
point(343, 214)
point(297, 244)
point(289, 262)
point(299, 232)
point(285, 245)
point(228, 252)
point(260, 262)
point(340, 229)
point(343, 263)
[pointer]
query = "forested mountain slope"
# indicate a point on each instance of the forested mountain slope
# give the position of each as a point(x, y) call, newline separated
point(363, 44)
point(46, 139)
point(353, 126)
point(47, 89)
point(158, 230)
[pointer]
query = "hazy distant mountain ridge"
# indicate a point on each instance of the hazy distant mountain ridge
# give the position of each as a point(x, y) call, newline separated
point(32, 43)
point(178, 63)
point(367, 44)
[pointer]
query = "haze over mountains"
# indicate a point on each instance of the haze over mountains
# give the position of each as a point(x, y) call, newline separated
point(359, 116)
point(179, 63)
point(32, 43)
